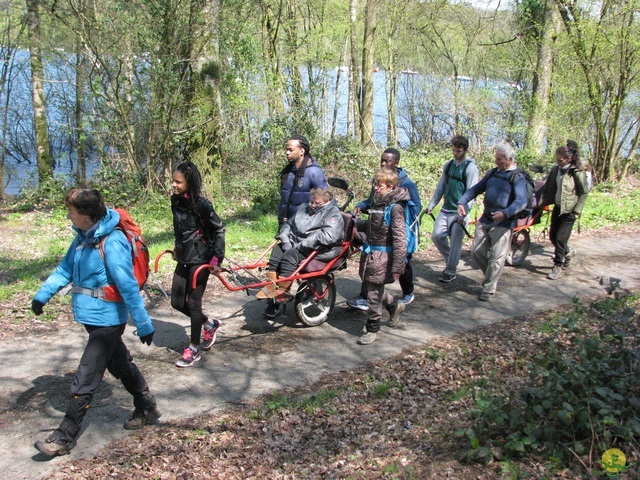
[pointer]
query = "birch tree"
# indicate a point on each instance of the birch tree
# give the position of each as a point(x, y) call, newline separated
point(41, 128)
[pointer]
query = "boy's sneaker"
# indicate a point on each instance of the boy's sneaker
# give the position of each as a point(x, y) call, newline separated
point(368, 338)
point(272, 310)
point(485, 296)
point(556, 271)
point(407, 299)
point(395, 311)
point(53, 448)
point(140, 418)
point(209, 335)
point(447, 278)
point(189, 357)
point(358, 303)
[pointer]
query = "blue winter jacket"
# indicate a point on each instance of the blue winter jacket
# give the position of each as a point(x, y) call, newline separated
point(499, 195)
point(403, 182)
point(313, 178)
point(83, 266)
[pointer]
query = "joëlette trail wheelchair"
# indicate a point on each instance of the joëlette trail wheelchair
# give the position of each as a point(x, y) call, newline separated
point(521, 235)
point(315, 295)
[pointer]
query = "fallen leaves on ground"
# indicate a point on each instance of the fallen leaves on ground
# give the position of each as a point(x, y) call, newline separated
point(390, 419)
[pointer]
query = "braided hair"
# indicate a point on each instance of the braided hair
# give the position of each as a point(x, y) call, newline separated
point(194, 180)
point(572, 147)
point(304, 143)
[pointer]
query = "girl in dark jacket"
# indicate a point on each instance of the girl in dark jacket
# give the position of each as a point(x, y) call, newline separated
point(199, 238)
point(566, 188)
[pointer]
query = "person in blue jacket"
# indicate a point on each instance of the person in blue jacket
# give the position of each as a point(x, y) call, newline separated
point(301, 174)
point(390, 159)
point(104, 321)
point(505, 195)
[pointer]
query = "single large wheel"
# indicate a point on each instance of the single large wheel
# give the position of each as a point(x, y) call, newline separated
point(315, 300)
point(520, 243)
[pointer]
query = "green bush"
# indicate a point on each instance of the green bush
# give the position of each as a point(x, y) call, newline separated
point(582, 397)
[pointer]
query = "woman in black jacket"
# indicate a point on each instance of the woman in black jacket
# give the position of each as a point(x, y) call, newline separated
point(199, 238)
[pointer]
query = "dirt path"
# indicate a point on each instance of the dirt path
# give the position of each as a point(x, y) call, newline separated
point(253, 356)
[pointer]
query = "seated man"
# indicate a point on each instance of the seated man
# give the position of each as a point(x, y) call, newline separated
point(316, 224)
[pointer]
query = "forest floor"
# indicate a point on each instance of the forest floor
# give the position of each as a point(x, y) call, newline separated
point(276, 400)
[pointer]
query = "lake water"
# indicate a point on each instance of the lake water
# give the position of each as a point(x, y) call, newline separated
point(424, 107)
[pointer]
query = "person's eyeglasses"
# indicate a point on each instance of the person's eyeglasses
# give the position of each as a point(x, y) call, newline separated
point(316, 204)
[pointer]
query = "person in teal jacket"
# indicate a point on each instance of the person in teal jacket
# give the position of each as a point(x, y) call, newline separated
point(84, 269)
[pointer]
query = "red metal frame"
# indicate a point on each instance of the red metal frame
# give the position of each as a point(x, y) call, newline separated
point(260, 263)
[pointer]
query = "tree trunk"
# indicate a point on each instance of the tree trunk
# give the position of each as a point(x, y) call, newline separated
point(79, 130)
point(43, 149)
point(368, 52)
point(273, 78)
point(353, 109)
point(7, 56)
point(336, 97)
point(606, 95)
point(537, 125)
point(208, 69)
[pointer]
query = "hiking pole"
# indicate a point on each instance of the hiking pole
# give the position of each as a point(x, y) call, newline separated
point(460, 221)
point(424, 212)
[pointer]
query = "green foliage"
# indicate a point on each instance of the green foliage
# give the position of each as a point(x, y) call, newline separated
point(318, 400)
point(120, 187)
point(48, 193)
point(610, 205)
point(582, 396)
point(275, 402)
point(384, 389)
point(435, 354)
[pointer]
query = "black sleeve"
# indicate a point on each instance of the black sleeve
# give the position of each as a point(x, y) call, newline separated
point(214, 228)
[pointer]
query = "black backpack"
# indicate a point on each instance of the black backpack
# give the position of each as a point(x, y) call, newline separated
point(447, 168)
point(531, 188)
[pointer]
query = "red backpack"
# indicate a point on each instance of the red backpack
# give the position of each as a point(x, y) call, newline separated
point(139, 254)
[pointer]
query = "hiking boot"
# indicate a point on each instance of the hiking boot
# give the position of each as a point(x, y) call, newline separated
point(407, 299)
point(358, 303)
point(272, 310)
point(53, 448)
point(140, 418)
point(567, 258)
point(395, 311)
point(555, 273)
point(447, 278)
point(368, 338)
point(209, 335)
point(189, 357)
point(485, 296)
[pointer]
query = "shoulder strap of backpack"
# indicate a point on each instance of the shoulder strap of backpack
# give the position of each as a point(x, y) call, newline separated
point(491, 172)
point(447, 169)
point(102, 242)
point(387, 214)
point(576, 180)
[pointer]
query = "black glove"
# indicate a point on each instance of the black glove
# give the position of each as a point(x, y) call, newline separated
point(36, 307)
point(147, 339)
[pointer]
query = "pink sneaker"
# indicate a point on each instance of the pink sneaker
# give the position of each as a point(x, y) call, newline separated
point(189, 357)
point(209, 336)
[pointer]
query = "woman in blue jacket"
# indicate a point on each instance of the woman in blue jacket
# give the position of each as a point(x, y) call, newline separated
point(104, 321)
